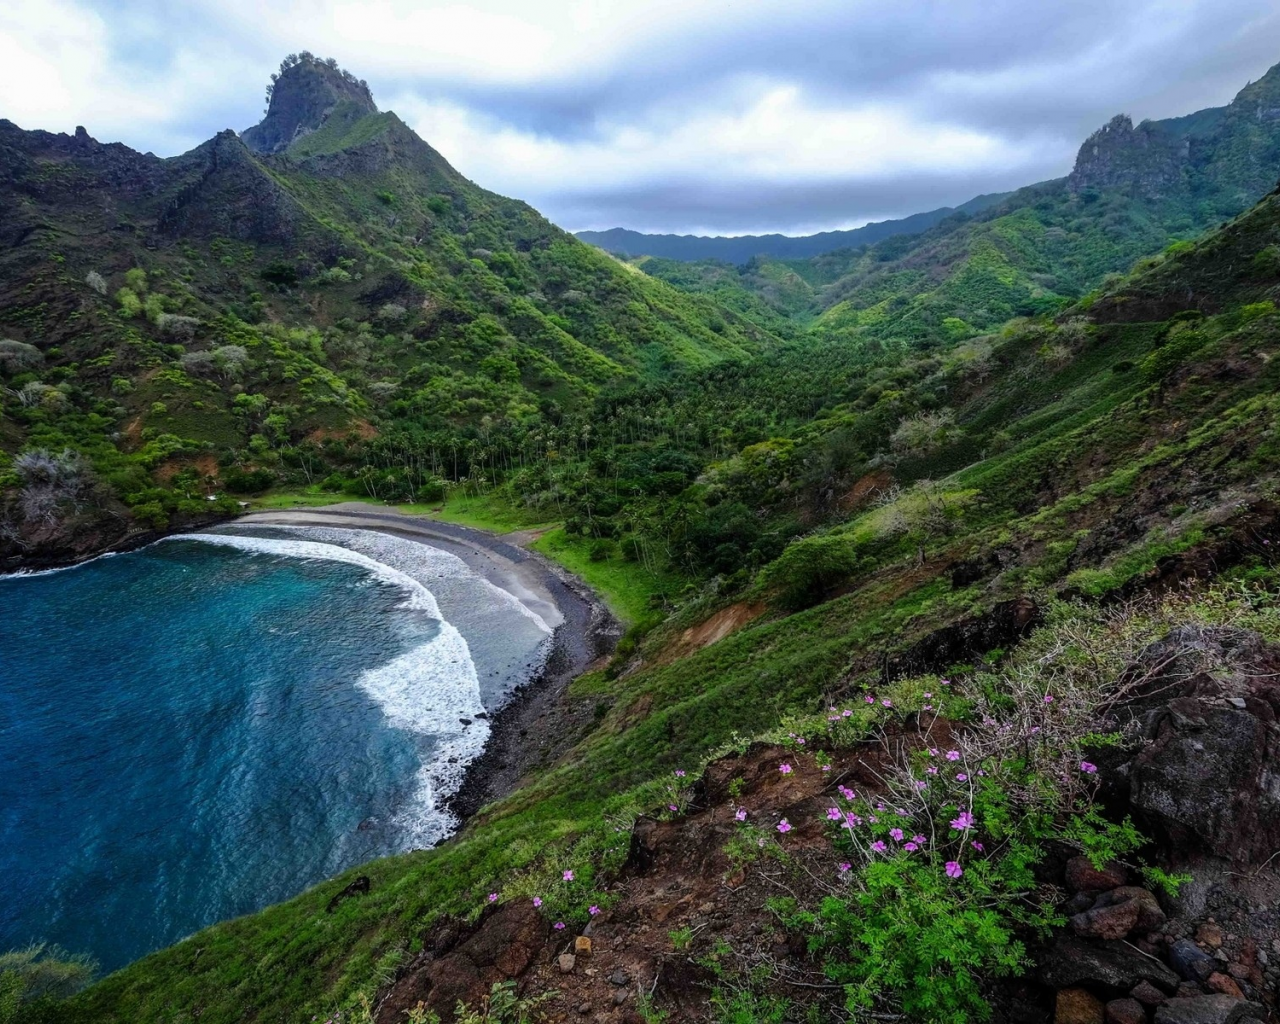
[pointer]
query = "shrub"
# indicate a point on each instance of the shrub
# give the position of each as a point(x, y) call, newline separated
point(96, 281)
point(808, 568)
point(39, 973)
point(17, 357)
point(240, 481)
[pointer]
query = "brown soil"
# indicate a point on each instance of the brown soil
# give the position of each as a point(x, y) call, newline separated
point(865, 490)
point(717, 627)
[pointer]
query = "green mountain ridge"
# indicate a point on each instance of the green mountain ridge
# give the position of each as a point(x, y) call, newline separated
point(838, 482)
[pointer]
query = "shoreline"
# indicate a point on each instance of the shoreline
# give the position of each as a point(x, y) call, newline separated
point(524, 726)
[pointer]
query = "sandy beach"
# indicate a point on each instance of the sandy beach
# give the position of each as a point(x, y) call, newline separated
point(535, 721)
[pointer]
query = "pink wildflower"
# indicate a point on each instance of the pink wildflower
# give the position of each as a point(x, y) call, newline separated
point(784, 825)
point(869, 699)
point(846, 866)
point(879, 846)
point(785, 769)
point(559, 926)
point(537, 901)
point(1048, 698)
point(833, 814)
point(910, 847)
point(977, 846)
point(593, 910)
point(846, 713)
point(672, 807)
point(679, 773)
point(826, 767)
point(964, 821)
point(953, 755)
point(961, 777)
point(932, 770)
point(896, 834)
point(741, 814)
point(954, 870)
point(493, 897)
point(568, 876)
point(1088, 768)
point(847, 793)
point(887, 702)
point(919, 839)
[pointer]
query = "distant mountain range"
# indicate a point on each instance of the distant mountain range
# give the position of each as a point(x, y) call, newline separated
point(742, 248)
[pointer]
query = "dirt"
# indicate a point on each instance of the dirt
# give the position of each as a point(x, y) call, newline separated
point(717, 627)
point(865, 490)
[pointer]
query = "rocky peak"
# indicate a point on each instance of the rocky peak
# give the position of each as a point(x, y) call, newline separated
point(300, 97)
point(1146, 160)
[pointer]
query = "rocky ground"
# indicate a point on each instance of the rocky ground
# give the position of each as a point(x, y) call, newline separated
point(689, 911)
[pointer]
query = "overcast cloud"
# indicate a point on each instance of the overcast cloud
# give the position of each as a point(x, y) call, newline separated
point(704, 116)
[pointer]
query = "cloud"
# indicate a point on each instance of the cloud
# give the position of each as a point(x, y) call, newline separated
point(718, 115)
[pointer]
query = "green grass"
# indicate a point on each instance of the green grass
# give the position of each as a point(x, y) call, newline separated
point(630, 590)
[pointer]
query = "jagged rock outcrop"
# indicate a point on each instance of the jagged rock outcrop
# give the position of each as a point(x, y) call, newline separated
point(1146, 160)
point(303, 96)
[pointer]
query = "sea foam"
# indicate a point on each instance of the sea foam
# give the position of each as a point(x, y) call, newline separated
point(432, 691)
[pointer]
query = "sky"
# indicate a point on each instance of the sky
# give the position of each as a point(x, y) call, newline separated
point(691, 116)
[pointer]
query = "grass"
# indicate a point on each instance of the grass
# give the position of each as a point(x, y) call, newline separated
point(630, 590)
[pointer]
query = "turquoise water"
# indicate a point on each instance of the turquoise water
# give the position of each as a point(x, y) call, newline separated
point(196, 730)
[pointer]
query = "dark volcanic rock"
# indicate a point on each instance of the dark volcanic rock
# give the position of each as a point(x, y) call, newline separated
point(303, 97)
point(1190, 961)
point(1113, 967)
point(1082, 876)
point(1207, 705)
point(1209, 1010)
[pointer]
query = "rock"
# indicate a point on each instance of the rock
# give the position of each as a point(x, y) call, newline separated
point(1208, 1010)
point(1202, 782)
point(1082, 876)
point(1209, 934)
point(1224, 985)
point(1113, 922)
point(619, 977)
point(357, 888)
point(584, 1008)
point(1112, 966)
point(1189, 990)
point(582, 945)
point(1076, 1006)
point(1150, 917)
point(620, 997)
point(1190, 961)
point(1147, 994)
point(566, 962)
point(1125, 1011)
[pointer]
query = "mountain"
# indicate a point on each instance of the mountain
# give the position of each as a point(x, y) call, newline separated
point(1134, 190)
point(996, 553)
point(217, 316)
point(741, 248)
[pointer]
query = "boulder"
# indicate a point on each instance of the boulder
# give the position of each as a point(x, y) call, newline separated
point(1112, 967)
point(1190, 961)
point(1209, 1010)
point(1125, 1011)
point(566, 962)
point(1082, 876)
point(1107, 922)
point(1223, 984)
point(1077, 1006)
point(1150, 916)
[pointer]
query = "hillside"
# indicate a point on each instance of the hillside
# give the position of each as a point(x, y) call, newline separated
point(742, 248)
point(210, 322)
point(884, 530)
point(1134, 191)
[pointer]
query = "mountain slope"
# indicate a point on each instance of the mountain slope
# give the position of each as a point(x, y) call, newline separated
point(1129, 444)
point(741, 248)
point(259, 296)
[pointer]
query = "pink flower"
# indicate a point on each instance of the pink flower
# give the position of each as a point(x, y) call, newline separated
point(784, 825)
point(1048, 698)
point(953, 755)
point(910, 847)
point(593, 910)
point(954, 870)
point(568, 876)
point(833, 814)
point(679, 773)
point(928, 707)
point(847, 793)
point(945, 682)
point(493, 897)
point(964, 821)
point(1035, 729)
point(921, 784)
point(826, 767)
point(919, 839)
point(872, 818)
point(869, 699)
point(928, 696)
point(932, 770)
point(1088, 768)
point(672, 807)
point(800, 740)
point(846, 866)
point(851, 820)
point(887, 702)
point(537, 901)
point(977, 846)
point(896, 834)
point(741, 814)
point(961, 777)
point(559, 926)
point(785, 769)
point(846, 713)
point(879, 846)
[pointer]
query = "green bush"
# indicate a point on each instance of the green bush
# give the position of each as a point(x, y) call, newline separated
point(808, 568)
